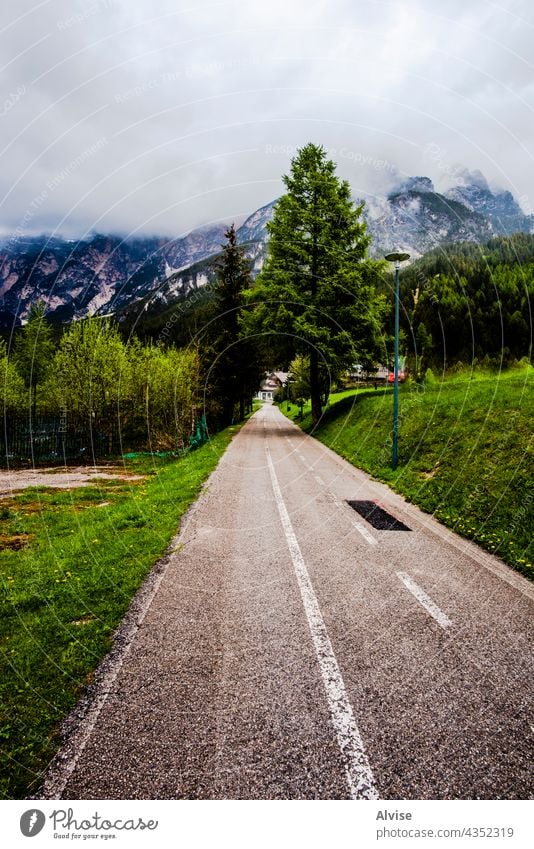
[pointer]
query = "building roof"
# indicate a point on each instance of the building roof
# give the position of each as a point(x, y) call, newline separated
point(273, 381)
point(269, 385)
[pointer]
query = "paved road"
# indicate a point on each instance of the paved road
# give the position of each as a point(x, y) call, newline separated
point(288, 649)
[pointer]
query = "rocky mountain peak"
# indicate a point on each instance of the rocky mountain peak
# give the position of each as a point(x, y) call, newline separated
point(499, 206)
point(414, 184)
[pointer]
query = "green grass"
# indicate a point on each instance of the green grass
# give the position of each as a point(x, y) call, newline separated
point(465, 453)
point(84, 554)
point(293, 412)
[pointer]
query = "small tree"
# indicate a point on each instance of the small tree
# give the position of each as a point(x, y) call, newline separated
point(12, 388)
point(424, 344)
point(163, 391)
point(317, 286)
point(91, 376)
point(33, 351)
point(300, 380)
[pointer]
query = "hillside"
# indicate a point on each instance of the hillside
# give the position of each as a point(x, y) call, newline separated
point(466, 453)
point(463, 302)
point(96, 275)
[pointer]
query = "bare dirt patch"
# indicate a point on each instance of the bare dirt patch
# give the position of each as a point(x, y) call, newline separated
point(60, 477)
point(14, 541)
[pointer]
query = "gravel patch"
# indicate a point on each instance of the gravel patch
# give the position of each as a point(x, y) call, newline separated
point(58, 478)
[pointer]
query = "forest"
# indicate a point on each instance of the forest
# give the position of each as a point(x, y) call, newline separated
point(469, 304)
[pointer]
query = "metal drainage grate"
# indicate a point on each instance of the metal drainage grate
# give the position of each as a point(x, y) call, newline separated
point(377, 517)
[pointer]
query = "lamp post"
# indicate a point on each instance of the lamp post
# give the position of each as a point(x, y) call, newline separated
point(396, 258)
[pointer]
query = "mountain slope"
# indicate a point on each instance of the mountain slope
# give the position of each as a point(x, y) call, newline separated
point(100, 274)
point(108, 274)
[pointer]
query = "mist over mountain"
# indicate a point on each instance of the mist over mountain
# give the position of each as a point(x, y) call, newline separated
point(106, 273)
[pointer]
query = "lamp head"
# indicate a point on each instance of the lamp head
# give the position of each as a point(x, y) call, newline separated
point(397, 257)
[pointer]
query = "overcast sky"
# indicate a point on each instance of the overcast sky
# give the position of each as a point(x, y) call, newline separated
point(139, 117)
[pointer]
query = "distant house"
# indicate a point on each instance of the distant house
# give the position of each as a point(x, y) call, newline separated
point(358, 373)
point(272, 382)
point(381, 373)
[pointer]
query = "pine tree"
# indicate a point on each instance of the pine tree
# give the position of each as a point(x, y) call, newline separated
point(233, 373)
point(317, 288)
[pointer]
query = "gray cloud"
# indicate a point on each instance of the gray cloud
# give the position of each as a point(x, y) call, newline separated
point(125, 116)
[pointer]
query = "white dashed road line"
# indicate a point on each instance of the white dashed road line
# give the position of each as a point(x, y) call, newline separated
point(365, 533)
point(358, 525)
point(425, 600)
point(360, 778)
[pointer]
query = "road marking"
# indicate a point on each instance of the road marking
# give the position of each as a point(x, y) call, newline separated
point(358, 525)
point(365, 533)
point(358, 771)
point(305, 462)
point(425, 600)
point(466, 547)
point(319, 480)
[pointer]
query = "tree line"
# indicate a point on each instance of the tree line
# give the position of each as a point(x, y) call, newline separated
point(91, 376)
point(320, 306)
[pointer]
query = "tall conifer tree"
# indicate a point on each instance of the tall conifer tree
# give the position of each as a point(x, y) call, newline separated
point(234, 373)
point(318, 286)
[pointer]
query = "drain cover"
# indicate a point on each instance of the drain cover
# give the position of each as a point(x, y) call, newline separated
point(377, 517)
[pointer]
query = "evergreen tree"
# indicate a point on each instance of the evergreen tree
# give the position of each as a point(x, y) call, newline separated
point(317, 288)
point(233, 373)
point(33, 350)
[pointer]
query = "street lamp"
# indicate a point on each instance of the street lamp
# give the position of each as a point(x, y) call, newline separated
point(396, 258)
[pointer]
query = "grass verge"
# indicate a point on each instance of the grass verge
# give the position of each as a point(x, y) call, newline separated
point(70, 562)
point(465, 453)
point(292, 411)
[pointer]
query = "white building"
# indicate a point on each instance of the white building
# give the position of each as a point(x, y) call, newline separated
point(273, 382)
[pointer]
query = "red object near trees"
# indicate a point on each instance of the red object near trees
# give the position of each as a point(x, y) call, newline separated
point(391, 376)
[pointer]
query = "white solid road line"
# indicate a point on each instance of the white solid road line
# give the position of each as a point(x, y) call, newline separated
point(358, 771)
point(425, 600)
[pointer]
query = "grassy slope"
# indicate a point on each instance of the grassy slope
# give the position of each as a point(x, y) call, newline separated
point(65, 593)
point(293, 412)
point(465, 453)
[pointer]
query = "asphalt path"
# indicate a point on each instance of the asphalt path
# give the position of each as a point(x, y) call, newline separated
point(287, 649)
